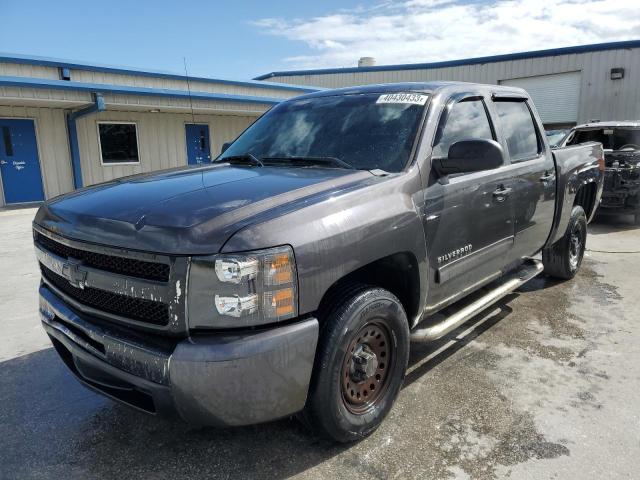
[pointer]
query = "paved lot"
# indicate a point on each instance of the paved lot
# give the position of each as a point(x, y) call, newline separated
point(544, 386)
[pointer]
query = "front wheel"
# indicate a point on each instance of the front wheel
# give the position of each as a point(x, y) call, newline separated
point(563, 258)
point(360, 365)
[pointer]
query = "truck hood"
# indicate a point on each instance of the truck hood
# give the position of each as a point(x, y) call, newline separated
point(187, 210)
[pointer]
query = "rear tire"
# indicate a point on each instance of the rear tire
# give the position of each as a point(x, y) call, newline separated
point(360, 365)
point(563, 258)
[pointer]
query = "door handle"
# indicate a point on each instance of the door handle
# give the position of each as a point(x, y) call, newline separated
point(501, 193)
point(547, 177)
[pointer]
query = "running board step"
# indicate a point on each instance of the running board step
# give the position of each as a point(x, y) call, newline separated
point(498, 289)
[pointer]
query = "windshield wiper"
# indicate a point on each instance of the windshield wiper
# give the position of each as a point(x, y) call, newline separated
point(243, 159)
point(321, 161)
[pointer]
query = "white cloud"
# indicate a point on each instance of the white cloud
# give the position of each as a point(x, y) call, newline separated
point(431, 30)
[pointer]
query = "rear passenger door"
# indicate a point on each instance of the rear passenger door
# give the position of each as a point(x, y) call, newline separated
point(533, 174)
point(468, 216)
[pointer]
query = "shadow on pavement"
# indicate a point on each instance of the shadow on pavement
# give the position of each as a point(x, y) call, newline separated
point(55, 427)
point(603, 224)
point(52, 426)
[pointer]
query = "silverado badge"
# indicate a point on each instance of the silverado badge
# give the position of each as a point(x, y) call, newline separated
point(458, 252)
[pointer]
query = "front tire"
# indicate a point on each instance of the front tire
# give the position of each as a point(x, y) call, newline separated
point(360, 365)
point(563, 258)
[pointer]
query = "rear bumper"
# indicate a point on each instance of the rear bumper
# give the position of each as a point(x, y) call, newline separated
point(221, 379)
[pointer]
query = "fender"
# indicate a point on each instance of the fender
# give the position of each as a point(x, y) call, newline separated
point(572, 172)
point(350, 230)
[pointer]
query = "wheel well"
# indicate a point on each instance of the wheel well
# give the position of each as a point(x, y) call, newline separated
point(586, 198)
point(397, 273)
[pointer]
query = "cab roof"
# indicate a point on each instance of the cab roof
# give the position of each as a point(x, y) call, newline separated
point(421, 87)
point(608, 124)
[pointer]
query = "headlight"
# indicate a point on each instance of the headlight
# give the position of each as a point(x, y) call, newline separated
point(242, 289)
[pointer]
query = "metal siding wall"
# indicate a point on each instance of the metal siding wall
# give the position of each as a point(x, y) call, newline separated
point(22, 70)
point(34, 95)
point(175, 84)
point(161, 141)
point(600, 97)
point(53, 147)
point(152, 102)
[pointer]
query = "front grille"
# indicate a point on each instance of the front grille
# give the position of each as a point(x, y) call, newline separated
point(156, 313)
point(121, 265)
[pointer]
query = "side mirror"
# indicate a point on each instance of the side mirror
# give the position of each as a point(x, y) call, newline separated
point(225, 145)
point(468, 156)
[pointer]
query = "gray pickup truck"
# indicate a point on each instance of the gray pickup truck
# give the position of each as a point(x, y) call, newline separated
point(290, 275)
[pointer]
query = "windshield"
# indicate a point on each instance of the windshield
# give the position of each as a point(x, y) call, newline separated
point(370, 131)
point(611, 138)
point(554, 136)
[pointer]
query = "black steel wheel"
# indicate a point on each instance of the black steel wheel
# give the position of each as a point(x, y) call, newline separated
point(564, 258)
point(365, 371)
point(360, 364)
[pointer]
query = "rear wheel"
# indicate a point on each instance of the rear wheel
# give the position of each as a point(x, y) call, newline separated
point(563, 258)
point(360, 365)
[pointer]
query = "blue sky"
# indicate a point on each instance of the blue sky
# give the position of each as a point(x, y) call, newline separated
point(217, 38)
point(245, 38)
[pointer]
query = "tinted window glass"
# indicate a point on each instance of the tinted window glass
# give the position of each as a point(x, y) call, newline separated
point(118, 142)
point(519, 130)
point(8, 143)
point(366, 131)
point(466, 120)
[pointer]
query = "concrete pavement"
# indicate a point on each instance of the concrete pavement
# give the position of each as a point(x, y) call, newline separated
point(543, 386)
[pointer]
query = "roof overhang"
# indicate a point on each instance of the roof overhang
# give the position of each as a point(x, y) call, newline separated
point(462, 62)
point(78, 65)
point(28, 91)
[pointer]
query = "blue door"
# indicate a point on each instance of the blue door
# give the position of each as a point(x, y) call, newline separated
point(198, 148)
point(19, 163)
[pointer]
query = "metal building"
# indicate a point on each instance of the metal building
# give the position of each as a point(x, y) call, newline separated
point(64, 125)
point(568, 85)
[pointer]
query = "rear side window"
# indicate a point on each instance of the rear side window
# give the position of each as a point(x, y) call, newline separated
point(466, 120)
point(519, 130)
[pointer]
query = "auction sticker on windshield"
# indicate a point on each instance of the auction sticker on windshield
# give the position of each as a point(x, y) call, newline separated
point(410, 98)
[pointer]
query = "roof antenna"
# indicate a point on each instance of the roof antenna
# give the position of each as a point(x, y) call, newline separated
point(186, 74)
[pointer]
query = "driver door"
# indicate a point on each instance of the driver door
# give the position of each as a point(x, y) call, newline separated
point(468, 217)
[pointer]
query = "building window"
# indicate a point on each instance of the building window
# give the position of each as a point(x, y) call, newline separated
point(118, 143)
point(8, 142)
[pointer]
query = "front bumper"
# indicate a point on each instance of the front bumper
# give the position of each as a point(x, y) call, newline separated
point(621, 193)
point(224, 379)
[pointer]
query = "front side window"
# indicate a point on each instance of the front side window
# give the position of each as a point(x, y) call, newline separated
point(466, 120)
point(365, 131)
point(118, 143)
point(519, 130)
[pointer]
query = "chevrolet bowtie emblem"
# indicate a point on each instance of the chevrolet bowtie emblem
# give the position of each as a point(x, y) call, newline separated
point(72, 272)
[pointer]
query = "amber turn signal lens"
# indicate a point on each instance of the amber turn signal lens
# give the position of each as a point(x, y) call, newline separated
point(278, 270)
point(280, 304)
point(283, 300)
